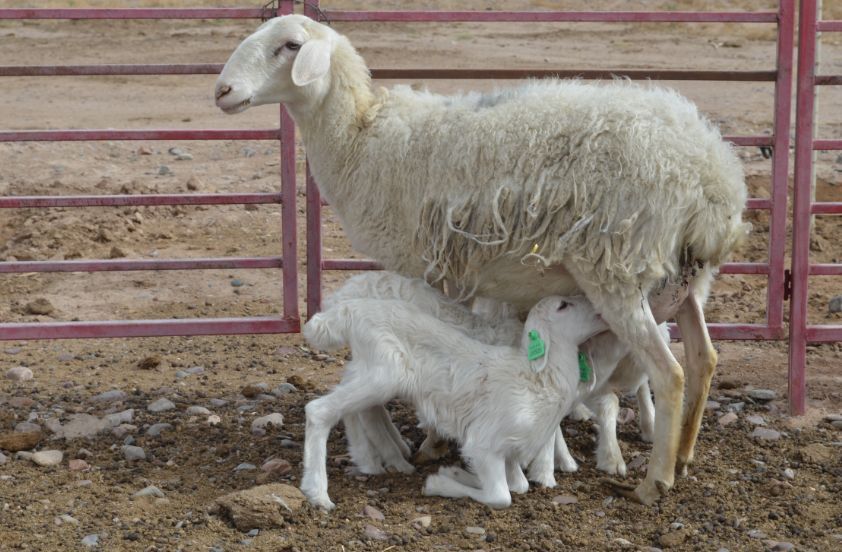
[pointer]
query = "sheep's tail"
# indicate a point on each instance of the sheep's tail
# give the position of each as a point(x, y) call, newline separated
point(328, 330)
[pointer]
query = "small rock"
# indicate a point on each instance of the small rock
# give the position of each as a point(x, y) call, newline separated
point(762, 395)
point(216, 403)
point(289, 444)
point(836, 424)
point(422, 522)
point(479, 531)
point(151, 491)
point(765, 434)
point(729, 384)
point(735, 406)
point(248, 152)
point(3, 458)
point(123, 429)
point(756, 420)
point(164, 170)
point(39, 306)
point(117, 418)
point(712, 405)
point(161, 405)
point(47, 457)
point(19, 373)
point(727, 419)
point(143, 150)
point(251, 391)
point(113, 395)
point(236, 282)
point(64, 518)
point(198, 411)
point(133, 453)
point(116, 253)
point(20, 402)
point(816, 453)
point(149, 363)
point(373, 513)
point(91, 541)
point(83, 426)
point(674, 538)
point(77, 464)
point(756, 534)
point(789, 473)
point(262, 507)
point(374, 533)
point(184, 157)
point(194, 183)
point(623, 543)
point(833, 418)
point(625, 416)
point(284, 389)
point(213, 420)
point(245, 466)
point(260, 424)
point(636, 463)
point(277, 466)
point(564, 500)
point(835, 305)
point(783, 546)
point(155, 430)
point(17, 441)
point(26, 427)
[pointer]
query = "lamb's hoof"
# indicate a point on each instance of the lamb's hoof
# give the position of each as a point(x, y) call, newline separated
point(322, 503)
point(545, 480)
point(645, 493)
point(404, 467)
point(435, 485)
point(612, 467)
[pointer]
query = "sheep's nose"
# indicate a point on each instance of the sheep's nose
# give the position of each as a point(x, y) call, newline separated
point(222, 90)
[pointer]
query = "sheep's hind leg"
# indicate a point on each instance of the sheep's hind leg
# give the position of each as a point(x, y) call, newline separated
point(700, 357)
point(385, 439)
point(494, 490)
point(322, 414)
point(630, 317)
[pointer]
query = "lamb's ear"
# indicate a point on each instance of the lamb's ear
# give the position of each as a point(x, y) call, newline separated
point(536, 342)
point(312, 61)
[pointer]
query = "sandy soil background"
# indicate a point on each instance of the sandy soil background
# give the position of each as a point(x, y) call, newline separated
point(750, 490)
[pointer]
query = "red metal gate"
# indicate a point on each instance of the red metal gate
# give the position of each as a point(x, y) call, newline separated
point(285, 133)
point(800, 334)
point(783, 18)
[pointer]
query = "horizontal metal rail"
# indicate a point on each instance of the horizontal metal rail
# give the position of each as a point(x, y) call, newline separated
point(827, 145)
point(133, 13)
point(829, 26)
point(824, 334)
point(166, 134)
point(737, 331)
point(149, 328)
point(825, 270)
point(826, 208)
point(109, 265)
point(552, 16)
point(397, 74)
point(23, 202)
point(826, 80)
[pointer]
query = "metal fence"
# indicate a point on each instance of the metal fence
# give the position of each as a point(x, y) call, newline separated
point(285, 133)
point(779, 282)
point(804, 207)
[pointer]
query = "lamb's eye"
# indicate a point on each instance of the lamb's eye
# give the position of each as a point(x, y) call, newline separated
point(292, 46)
point(563, 305)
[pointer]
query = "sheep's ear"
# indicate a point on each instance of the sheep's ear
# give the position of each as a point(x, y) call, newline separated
point(312, 62)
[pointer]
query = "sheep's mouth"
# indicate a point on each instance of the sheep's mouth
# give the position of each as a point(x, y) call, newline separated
point(236, 108)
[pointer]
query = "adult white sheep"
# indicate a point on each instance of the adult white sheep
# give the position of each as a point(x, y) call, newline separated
point(502, 404)
point(545, 189)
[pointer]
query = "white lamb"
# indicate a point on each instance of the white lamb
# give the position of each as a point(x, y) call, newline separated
point(501, 404)
point(549, 188)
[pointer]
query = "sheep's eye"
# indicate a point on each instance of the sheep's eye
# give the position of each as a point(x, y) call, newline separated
point(292, 46)
point(563, 305)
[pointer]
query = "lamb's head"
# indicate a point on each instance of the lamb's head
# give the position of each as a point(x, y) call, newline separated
point(286, 60)
point(556, 326)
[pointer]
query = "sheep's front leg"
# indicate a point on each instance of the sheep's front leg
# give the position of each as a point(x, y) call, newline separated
point(364, 455)
point(541, 467)
point(609, 457)
point(515, 479)
point(700, 357)
point(491, 472)
point(385, 439)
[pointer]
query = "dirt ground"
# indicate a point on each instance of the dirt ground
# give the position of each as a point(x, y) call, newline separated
point(744, 492)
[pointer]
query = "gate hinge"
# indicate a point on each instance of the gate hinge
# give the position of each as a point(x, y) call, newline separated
point(787, 285)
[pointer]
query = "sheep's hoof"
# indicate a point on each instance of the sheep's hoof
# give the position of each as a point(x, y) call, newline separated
point(682, 467)
point(644, 493)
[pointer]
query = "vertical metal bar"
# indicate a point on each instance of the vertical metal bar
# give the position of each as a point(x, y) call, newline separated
point(780, 165)
point(804, 134)
point(289, 211)
point(314, 246)
point(314, 219)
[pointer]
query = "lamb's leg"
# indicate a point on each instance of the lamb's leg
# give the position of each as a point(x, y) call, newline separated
point(491, 471)
point(364, 455)
point(701, 363)
point(322, 414)
point(563, 458)
point(541, 468)
point(580, 413)
point(376, 424)
point(433, 448)
point(646, 412)
point(609, 457)
point(461, 475)
point(631, 319)
point(515, 479)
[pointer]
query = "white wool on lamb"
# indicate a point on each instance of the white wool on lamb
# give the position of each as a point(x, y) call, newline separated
point(501, 404)
point(548, 188)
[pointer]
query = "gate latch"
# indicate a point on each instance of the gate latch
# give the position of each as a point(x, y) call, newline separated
point(787, 285)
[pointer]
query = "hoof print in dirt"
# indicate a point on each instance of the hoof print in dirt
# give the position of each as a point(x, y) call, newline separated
point(262, 507)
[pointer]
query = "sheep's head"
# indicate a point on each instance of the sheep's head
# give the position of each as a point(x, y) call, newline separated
point(555, 325)
point(286, 60)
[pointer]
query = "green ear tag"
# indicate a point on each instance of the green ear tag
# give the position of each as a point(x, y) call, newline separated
point(584, 368)
point(536, 346)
